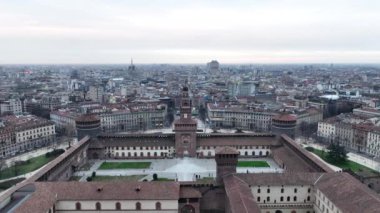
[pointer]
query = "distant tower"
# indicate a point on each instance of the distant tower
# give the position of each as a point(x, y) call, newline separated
point(87, 124)
point(213, 66)
point(185, 128)
point(131, 66)
point(284, 124)
point(226, 161)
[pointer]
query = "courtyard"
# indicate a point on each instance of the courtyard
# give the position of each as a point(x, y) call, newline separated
point(185, 169)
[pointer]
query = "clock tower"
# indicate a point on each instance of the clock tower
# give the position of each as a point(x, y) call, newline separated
point(185, 128)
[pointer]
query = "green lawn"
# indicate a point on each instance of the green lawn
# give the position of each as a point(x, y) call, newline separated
point(355, 167)
point(124, 165)
point(253, 164)
point(8, 184)
point(26, 167)
point(165, 179)
point(118, 178)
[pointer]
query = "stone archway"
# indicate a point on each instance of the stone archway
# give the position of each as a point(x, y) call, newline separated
point(188, 209)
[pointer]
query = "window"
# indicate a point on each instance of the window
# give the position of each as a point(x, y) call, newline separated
point(295, 190)
point(258, 190)
point(282, 190)
point(118, 206)
point(268, 198)
point(98, 206)
point(308, 190)
point(308, 198)
point(268, 190)
point(295, 198)
point(138, 206)
point(158, 206)
point(78, 206)
point(281, 198)
point(258, 199)
point(288, 199)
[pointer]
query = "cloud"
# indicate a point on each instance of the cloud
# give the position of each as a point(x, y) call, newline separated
point(168, 31)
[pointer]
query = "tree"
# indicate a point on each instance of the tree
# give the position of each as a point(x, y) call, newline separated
point(336, 153)
point(155, 177)
point(69, 132)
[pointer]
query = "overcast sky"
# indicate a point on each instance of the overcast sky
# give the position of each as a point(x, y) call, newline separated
point(175, 31)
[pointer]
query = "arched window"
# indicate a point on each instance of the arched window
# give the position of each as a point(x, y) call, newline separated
point(258, 199)
point(245, 153)
point(268, 190)
point(288, 198)
point(258, 190)
point(268, 199)
point(308, 190)
point(155, 154)
point(138, 206)
point(282, 190)
point(278, 211)
point(117, 206)
point(141, 154)
point(295, 190)
point(158, 206)
point(148, 154)
point(267, 153)
point(281, 198)
point(78, 206)
point(295, 198)
point(308, 198)
point(260, 153)
point(98, 206)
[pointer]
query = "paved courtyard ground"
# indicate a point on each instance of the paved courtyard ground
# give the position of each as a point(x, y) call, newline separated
point(186, 169)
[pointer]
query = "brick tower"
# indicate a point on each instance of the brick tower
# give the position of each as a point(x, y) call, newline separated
point(226, 161)
point(185, 128)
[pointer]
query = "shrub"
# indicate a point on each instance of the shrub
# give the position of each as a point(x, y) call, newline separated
point(310, 149)
point(155, 177)
point(54, 153)
point(89, 179)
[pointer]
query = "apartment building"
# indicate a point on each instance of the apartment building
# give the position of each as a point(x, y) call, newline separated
point(11, 106)
point(23, 133)
point(233, 115)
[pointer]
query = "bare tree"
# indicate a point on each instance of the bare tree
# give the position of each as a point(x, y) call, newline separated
point(69, 133)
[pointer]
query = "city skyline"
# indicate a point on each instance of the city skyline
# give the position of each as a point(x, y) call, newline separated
point(99, 32)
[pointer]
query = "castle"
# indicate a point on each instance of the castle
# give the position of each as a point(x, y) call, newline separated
point(307, 184)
